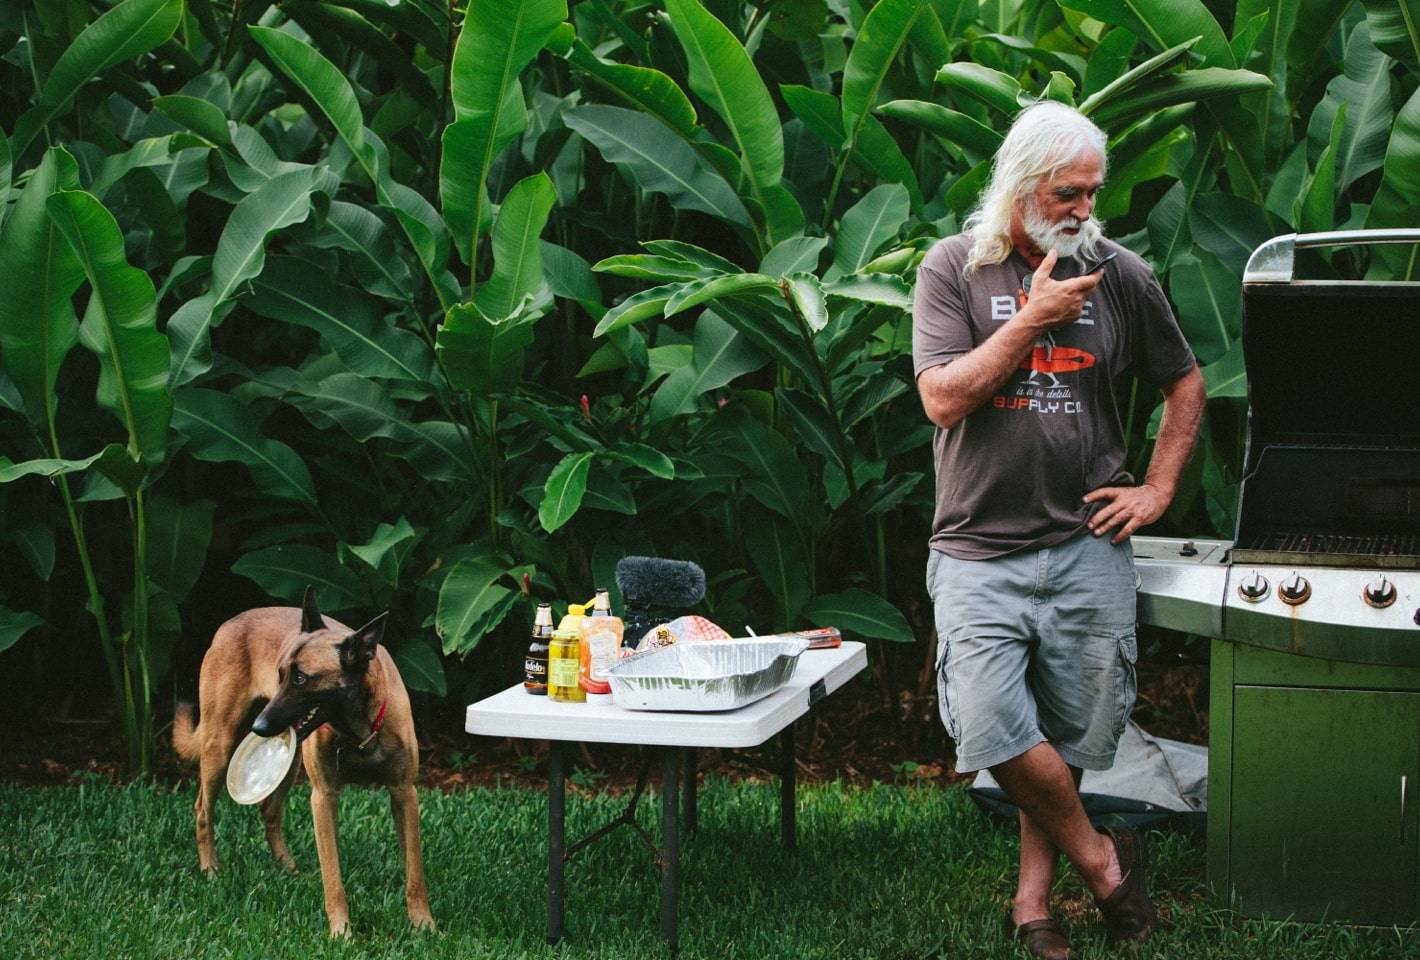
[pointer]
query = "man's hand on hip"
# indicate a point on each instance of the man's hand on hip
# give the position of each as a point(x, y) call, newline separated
point(1133, 507)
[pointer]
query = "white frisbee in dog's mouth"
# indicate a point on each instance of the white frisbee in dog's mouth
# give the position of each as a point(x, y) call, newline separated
point(259, 765)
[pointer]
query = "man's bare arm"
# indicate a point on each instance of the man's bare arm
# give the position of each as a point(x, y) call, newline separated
point(953, 390)
point(1136, 507)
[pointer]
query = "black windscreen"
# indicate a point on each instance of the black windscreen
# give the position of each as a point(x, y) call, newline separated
point(1333, 360)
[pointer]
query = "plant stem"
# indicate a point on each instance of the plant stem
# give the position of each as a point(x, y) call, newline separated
point(833, 190)
point(141, 631)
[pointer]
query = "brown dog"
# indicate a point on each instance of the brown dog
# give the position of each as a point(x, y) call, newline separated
point(341, 691)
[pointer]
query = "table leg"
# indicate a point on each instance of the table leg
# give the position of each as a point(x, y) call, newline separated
point(691, 817)
point(556, 838)
point(670, 846)
point(788, 775)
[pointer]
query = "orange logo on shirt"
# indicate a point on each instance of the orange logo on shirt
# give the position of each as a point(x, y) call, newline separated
point(1052, 360)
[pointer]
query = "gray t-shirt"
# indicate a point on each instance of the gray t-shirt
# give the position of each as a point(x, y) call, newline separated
point(1011, 474)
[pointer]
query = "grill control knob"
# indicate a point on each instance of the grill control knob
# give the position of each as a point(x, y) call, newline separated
point(1379, 592)
point(1255, 588)
point(1295, 589)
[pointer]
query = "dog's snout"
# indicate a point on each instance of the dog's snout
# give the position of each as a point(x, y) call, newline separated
point(263, 727)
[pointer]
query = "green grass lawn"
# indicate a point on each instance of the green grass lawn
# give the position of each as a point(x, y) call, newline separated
point(95, 871)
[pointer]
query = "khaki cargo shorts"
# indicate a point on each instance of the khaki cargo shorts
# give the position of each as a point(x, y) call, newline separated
point(1036, 646)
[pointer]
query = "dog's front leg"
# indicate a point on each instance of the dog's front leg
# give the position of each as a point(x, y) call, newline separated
point(325, 813)
point(404, 805)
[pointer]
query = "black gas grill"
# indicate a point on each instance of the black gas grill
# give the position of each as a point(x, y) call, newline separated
point(1314, 682)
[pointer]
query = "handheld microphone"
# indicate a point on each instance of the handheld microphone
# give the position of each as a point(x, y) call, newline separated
point(651, 582)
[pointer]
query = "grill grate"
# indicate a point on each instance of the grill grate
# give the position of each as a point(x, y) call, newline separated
point(1384, 545)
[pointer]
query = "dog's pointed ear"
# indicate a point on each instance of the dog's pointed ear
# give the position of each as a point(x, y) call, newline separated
point(311, 620)
point(358, 649)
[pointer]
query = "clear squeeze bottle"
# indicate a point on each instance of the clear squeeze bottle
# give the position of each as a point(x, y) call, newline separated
point(601, 644)
point(563, 658)
point(535, 663)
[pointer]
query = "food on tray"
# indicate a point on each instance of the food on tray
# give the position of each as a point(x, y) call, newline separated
point(687, 629)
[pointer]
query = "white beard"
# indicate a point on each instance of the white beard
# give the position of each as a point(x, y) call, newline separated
point(1052, 236)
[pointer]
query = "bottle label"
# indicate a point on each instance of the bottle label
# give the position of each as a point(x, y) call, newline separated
point(562, 672)
point(602, 646)
point(535, 669)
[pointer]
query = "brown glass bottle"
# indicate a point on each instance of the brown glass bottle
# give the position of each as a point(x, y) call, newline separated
point(535, 664)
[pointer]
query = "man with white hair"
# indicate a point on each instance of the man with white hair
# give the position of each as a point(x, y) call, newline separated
point(1022, 326)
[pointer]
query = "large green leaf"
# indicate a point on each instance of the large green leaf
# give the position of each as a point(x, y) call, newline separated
point(993, 88)
point(956, 127)
point(1166, 90)
point(241, 253)
point(200, 116)
point(37, 323)
point(1398, 197)
point(647, 458)
point(722, 74)
point(120, 323)
point(658, 160)
point(358, 405)
point(178, 537)
point(6, 175)
point(1316, 207)
point(517, 252)
point(296, 291)
point(564, 490)
point(812, 424)
point(351, 227)
point(696, 292)
point(332, 93)
point(875, 149)
point(721, 355)
point(419, 666)
point(1364, 91)
point(884, 30)
point(1209, 301)
point(14, 624)
point(286, 570)
point(779, 557)
point(482, 353)
point(387, 549)
point(220, 429)
point(1228, 227)
point(870, 223)
point(499, 38)
point(1395, 28)
point(126, 32)
point(773, 474)
point(1226, 376)
point(1163, 24)
point(641, 305)
point(469, 595)
point(1131, 78)
point(647, 89)
point(861, 612)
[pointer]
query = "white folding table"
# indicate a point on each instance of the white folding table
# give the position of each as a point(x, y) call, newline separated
point(513, 713)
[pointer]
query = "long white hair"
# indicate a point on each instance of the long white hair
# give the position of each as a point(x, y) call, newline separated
point(1045, 138)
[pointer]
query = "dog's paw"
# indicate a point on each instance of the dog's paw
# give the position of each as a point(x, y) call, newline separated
point(340, 930)
point(423, 923)
point(287, 866)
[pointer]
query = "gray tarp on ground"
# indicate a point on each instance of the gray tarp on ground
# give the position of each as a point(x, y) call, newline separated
point(1152, 779)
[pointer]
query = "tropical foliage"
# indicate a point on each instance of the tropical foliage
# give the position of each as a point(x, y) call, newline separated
point(442, 308)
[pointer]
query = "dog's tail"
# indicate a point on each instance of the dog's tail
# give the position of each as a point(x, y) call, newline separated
point(185, 740)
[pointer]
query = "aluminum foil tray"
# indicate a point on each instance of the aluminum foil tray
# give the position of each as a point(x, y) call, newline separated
point(714, 675)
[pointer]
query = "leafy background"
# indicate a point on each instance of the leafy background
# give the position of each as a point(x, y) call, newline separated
point(445, 309)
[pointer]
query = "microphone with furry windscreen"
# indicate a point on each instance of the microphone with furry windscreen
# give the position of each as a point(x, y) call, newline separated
point(651, 586)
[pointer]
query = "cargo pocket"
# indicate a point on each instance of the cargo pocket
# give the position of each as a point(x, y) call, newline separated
point(945, 699)
point(1128, 686)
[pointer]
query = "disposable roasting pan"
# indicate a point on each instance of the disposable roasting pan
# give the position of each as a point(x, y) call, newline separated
point(703, 677)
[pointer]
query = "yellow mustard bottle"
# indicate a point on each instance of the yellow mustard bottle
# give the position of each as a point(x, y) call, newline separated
point(564, 658)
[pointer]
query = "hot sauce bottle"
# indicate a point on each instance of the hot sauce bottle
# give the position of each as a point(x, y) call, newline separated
point(601, 644)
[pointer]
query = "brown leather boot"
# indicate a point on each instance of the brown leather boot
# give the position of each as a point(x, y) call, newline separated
point(1042, 938)
point(1128, 915)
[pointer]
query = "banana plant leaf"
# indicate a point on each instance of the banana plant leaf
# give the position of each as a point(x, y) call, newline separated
point(41, 271)
point(120, 323)
point(125, 32)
